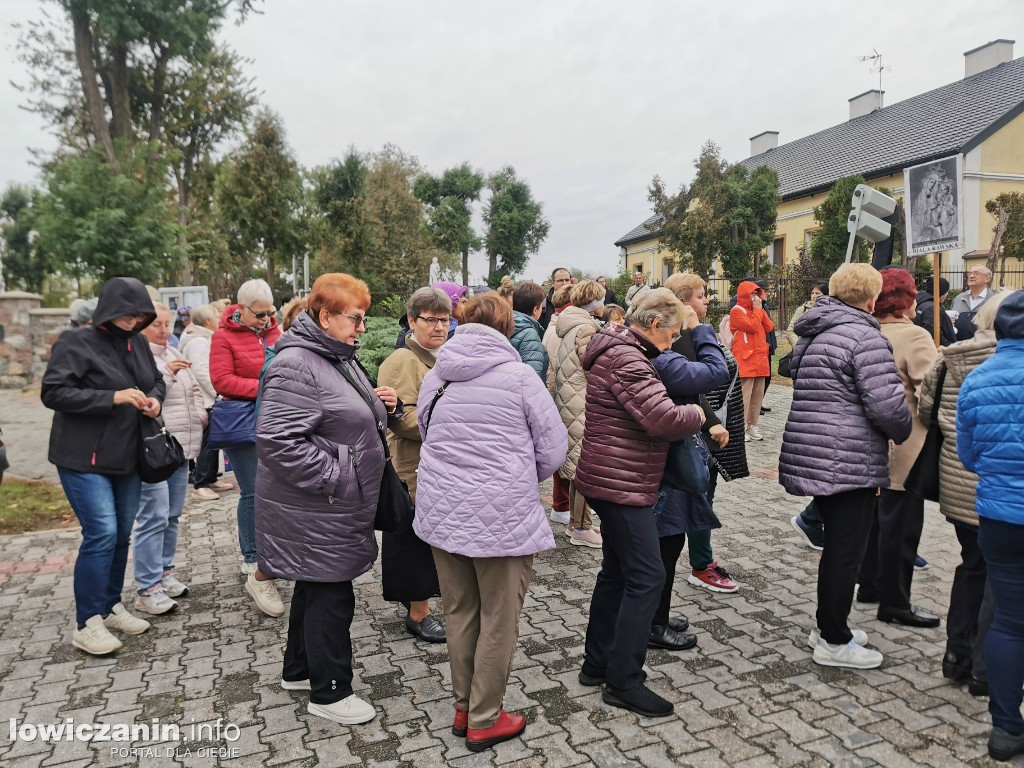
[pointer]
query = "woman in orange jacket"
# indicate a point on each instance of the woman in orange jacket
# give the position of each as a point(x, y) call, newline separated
point(750, 326)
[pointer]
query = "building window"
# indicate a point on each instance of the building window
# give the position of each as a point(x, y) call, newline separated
point(667, 268)
point(778, 253)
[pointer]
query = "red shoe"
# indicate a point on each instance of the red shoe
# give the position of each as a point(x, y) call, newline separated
point(461, 721)
point(507, 727)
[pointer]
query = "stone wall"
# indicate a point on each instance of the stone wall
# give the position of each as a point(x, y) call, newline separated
point(26, 334)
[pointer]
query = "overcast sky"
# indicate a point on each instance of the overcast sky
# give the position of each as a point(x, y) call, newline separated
point(586, 99)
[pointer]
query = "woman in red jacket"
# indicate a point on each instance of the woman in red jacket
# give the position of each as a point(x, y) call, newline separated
point(237, 352)
point(750, 327)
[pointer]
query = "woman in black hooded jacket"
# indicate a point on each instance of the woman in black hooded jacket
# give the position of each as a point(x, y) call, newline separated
point(101, 379)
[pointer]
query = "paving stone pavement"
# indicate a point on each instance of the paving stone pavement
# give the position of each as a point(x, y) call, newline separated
point(748, 695)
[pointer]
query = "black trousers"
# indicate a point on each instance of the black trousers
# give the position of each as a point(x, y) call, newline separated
point(206, 466)
point(888, 566)
point(319, 645)
point(970, 603)
point(671, 548)
point(847, 517)
point(626, 594)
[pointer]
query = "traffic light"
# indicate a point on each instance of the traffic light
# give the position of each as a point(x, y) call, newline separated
point(869, 210)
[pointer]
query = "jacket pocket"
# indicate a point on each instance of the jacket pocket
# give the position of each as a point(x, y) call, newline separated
point(348, 480)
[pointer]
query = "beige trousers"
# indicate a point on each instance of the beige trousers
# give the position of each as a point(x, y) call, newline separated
point(579, 515)
point(483, 597)
point(753, 395)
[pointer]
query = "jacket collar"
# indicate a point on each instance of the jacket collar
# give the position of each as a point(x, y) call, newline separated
point(426, 356)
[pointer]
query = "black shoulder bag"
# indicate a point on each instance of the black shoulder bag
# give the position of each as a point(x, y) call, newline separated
point(395, 510)
point(923, 478)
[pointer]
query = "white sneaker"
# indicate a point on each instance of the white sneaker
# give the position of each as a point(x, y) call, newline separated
point(850, 655)
point(95, 638)
point(122, 621)
point(746, 436)
point(585, 537)
point(754, 433)
point(205, 494)
point(562, 518)
point(860, 637)
point(249, 568)
point(266, 597)
point(173, 587)
point(223, 486)
point(295, 685)
point(155, 603)
point(349, 711)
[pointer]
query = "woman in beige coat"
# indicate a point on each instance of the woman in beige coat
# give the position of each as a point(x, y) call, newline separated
point(575, 325)
point(888, 566)
point(970, 602)
point(409, 575)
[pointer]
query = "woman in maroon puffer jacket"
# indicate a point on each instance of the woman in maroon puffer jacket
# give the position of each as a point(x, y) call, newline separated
point(630, 421)
point(237, 351)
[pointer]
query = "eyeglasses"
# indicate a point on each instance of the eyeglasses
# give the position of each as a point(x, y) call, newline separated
point(676, 337)
point(357, 319)
point(261, 315)
point(434, 322)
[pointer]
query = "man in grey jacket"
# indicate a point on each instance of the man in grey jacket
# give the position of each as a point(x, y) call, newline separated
point(979, 290)
point(639, 285)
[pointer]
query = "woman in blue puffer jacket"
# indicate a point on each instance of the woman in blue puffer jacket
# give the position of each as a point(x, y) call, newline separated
point(528, 303)
point(990, 442)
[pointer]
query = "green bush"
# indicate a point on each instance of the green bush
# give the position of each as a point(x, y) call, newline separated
point(377, 343)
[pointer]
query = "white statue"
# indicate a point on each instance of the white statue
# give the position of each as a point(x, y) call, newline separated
point(435, 271)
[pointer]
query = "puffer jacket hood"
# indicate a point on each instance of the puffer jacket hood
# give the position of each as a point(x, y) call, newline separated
point(848, 402)
point(1009, 322)
point(574, 328)
point(527, 342)
point(320, 461)
point(492, 436)
point(123, 296)
point(473, 350)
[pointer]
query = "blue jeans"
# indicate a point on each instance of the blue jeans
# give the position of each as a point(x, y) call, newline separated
point(106, 506)
point(156, 528)
point(1002, 544)
point(243, 463)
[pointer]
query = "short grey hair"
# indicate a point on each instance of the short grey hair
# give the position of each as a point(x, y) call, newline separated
point(428, 300)
point(81, 310)
point(255, 290)
point(985, 318)
point(657, 304)
point(203, 314)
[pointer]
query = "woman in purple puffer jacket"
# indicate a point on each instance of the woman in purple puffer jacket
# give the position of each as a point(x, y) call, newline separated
point(490, 433)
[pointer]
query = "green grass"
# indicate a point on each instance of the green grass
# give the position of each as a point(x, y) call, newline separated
point(33, 506)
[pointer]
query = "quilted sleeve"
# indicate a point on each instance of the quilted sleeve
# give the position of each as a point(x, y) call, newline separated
point(694, 377)
point(290, 411)
point(550, 437)
point(966, 421)
point(645, 399)
point(878, 383)
point(926, 397)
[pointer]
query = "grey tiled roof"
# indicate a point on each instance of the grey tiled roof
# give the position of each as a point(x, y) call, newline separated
point(651, 227)
point(948, 120)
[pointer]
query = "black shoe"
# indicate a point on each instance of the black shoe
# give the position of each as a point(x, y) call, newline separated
point(977, 687)
point(641, 700)
point(590, 677)
point(669, 639)
point(679, 623)
point(765, 409)
point(956, 668)
point(1003, 745)
point(908, 617)
point(429, 629)
point(863, 596)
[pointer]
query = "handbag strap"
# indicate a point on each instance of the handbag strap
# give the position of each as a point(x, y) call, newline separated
point(938, 396)
point(381, 431)
point(433, 404)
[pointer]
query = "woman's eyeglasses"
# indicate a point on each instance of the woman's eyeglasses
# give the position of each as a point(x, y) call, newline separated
point(357, 319)
point(434, 322)
point(262, 315)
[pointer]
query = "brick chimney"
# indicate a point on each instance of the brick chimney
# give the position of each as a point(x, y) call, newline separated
point(987, 56)
point(866, 103)
point(763, 142)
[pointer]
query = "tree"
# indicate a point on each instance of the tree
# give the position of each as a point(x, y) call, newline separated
point(103, 224)
point(336, 198)
point(1008, 240)
point(828, 244)
point(25, 264)
point(449, 200)
point(515, 225)
point(259, 194)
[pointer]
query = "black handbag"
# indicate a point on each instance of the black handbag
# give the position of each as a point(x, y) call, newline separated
point(395, 511)
point(160, 453)
point(784, 365)
point(687, 466)
point(923, 478)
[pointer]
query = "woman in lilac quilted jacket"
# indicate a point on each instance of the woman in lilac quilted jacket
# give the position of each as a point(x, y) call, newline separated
point(490, 433)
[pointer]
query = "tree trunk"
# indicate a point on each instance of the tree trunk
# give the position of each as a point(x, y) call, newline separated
point(120, 104)
point(1002, 221)
point(156, 114)
point(465, 265)
point(90, 88)
point(271, 271)
point(185, 268)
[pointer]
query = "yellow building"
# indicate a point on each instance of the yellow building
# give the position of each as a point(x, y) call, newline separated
point(980, 117)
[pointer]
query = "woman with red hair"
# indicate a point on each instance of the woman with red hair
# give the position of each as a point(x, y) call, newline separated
point(888, 566)
point(321, 460)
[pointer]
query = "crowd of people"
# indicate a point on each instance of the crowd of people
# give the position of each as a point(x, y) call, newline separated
point(635, 414)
